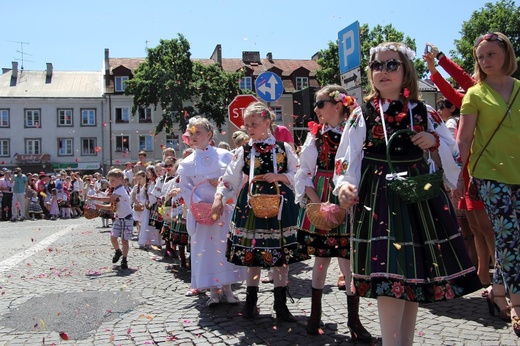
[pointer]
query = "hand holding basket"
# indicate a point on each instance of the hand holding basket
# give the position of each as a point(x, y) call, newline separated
point(413, 189)
point(202, 210)
point(264, 205)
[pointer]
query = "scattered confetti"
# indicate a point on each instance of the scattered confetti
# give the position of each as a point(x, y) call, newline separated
point(397, 246)
point(64, 336)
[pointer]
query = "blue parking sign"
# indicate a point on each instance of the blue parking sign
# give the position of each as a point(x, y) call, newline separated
point(349, 48)
point(269, 86)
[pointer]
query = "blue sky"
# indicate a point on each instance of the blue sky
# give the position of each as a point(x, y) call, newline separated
point(72, 35)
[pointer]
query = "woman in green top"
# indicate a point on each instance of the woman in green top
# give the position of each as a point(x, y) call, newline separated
point(494, 163)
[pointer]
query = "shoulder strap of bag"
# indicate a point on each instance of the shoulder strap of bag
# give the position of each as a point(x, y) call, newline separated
point(494, 132)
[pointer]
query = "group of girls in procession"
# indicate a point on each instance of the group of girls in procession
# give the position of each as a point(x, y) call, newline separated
point(398, 251)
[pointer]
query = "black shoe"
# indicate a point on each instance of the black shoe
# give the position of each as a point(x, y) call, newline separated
point(117, 256)
point(124, 265)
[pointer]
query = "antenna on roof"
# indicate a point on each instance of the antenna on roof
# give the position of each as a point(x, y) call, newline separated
point(23, 54)
point(146, 46)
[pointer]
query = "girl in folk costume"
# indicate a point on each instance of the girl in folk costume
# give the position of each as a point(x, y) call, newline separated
point(172, 208)
point(256, 242)
point(156, 219)
point(314, 185)
point(149, 234)
point(34, 206)
point(403, 253)
point(105, 214)
point(199, 175)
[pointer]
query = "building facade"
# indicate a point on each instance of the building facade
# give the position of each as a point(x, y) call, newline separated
point(51, 119)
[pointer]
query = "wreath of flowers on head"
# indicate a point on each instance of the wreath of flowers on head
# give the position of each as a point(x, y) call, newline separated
point(399, 48)
point(346, 100)
point(191, 129)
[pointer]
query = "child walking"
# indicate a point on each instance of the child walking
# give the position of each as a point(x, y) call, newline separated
point(403, 253)
point(120, 204)
point(313, 184)
point(199, 175)
point(256, 242)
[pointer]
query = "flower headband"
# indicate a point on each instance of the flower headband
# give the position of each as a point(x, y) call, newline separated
point(400, 48)
point(346, 100)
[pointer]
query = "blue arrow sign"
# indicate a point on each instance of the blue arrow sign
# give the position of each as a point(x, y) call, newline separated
point(269, 86)
point(349, 48)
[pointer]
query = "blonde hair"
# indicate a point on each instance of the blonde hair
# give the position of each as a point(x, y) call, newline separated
point(239, 137)
point(116, 173)
point(202, 122)
point(409, 73)
point(260, 109)
point(510, 65)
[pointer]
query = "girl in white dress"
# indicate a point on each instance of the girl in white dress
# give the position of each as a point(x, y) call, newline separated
point(200, 172)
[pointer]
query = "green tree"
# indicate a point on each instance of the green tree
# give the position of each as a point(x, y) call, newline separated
point(503, 16)
point(329, 63)
point(214, 89)
point(329, 58)
point(164, 79)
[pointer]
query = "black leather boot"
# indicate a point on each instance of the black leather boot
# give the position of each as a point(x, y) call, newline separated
point(313, 325)
point(280, 306)
point(358, 332)
point(250, 308)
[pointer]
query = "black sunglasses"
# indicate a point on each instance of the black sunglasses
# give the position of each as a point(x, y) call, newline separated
point(168, 165)
point(321, 103)
point(441, 106)
point(389, 65)
point(487, 37)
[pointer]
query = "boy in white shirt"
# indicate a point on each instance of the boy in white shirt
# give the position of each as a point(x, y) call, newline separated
point(120, 204)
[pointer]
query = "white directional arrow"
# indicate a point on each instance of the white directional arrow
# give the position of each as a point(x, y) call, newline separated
point(271, 89)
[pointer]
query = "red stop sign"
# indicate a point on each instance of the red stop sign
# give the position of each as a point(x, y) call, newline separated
point(236, 109)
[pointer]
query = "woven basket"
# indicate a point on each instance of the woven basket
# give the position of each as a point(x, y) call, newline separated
point(264, 206)
point(201, 211)
point(414, 189)
point(325, 216)
point(90, 213)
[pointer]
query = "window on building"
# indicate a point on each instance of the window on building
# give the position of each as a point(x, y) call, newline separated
point(65, 146)
point(145, 115)
point(32, 118)
point(4, 117)
point(246, 83)
point(122, 143)
point(302, 83)
point(120, 83)
point(278, 112)
point(172, 141)
point(122, 115)
point(88, 117)
point(64, 117)
point(33, 146)
point(88, 146)
point(146, 143)
point(4, 148)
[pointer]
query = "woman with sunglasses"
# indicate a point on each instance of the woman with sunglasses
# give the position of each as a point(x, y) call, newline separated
point(313, 184)
point(403, 253)
point(490, 129)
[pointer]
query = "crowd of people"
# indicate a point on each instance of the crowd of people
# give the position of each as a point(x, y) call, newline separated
point(415, 202)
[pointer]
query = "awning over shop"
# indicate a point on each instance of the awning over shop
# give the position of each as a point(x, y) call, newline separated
point(76, 165)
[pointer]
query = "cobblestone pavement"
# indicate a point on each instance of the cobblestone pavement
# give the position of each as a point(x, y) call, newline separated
point(71, 286)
